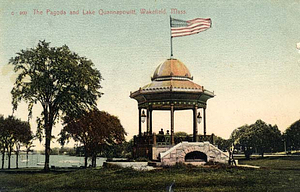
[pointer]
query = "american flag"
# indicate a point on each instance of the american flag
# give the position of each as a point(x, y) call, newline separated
point(181, 28)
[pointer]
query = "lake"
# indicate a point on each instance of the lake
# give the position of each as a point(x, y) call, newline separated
point(37, 160)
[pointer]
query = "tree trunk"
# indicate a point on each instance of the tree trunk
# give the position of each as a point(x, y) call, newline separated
point(27, 158)
point(17, 159)
point(3, 155)
point(94, 157)
point(9, 155)
point(47, 149)
point(85, 161)
point(18, 146)
point(85, 157)
point(48, 121)
point(247, 154)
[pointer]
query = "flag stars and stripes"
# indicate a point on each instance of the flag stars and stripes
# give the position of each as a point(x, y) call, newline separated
point(180, 28)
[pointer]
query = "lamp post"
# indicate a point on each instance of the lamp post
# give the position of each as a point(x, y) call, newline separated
point(143, 117)
point(199, 118)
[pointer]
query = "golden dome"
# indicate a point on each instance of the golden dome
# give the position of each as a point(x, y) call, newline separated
point(171, 68)
point(171, 83)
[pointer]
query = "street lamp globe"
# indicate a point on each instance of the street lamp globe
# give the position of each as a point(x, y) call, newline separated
point(199, 118)
point(143, 116)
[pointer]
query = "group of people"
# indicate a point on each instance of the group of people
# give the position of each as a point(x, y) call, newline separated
point(161, 132)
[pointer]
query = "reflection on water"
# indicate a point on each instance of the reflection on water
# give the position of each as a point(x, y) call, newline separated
point(37, 160)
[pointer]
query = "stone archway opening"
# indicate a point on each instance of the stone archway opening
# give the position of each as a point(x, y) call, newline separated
point(195, 156)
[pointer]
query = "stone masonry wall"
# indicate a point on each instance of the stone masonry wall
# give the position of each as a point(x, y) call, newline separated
point(177, 153)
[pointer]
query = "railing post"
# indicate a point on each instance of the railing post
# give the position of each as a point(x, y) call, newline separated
point(204, 121)
point(150, 119)
point(154, 139)
point(195, 125)
point(140, 122)
point(172, 124)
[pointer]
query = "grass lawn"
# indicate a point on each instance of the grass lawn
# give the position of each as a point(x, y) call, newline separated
point(275, 162)
point(187, 178)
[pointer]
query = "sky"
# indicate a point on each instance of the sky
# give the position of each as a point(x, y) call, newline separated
point(248, 58)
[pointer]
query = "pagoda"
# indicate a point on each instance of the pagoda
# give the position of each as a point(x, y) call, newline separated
point(171, 88)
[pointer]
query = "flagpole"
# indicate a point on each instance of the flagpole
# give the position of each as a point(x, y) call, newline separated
point(171, 38)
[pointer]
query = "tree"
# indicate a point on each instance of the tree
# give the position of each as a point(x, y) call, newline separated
point(95, 130)
point(61, 81)
point(118, 150)
point(9, 135)
point(258, 137)
point(239, 137)
point(292, 136)
point(14, 133)
point(180, 134)
point(223, 144)
point(24, 137)
point(28, 146)
point(2, 139)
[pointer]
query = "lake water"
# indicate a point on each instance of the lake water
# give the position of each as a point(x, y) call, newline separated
point(37, 160)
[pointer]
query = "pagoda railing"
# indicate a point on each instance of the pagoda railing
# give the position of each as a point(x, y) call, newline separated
point(162, 140)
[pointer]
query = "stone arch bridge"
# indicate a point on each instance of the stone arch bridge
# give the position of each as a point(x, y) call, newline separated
point(196, 153)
